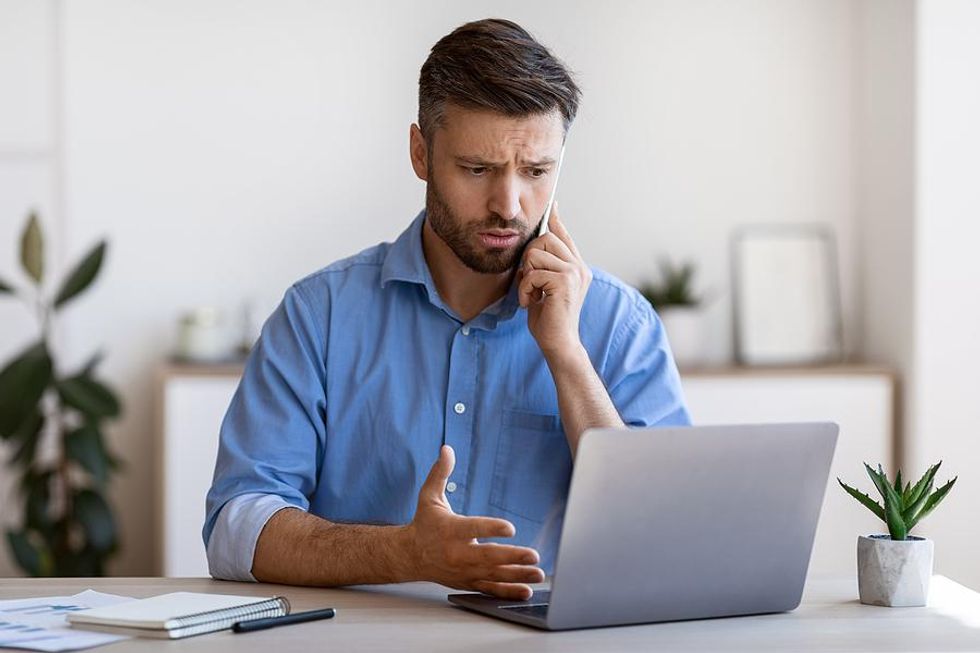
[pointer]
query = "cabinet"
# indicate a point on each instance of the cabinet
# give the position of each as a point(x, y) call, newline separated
point(860, 399)
point(193, 400)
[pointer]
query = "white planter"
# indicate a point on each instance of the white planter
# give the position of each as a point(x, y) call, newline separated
point(894, 573)
point(685, 326)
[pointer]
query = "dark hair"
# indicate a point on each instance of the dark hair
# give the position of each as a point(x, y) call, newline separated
point(494, 64)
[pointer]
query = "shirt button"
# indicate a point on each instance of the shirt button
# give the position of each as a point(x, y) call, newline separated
point(466, 331)
point(460, 408)
point(450, 487)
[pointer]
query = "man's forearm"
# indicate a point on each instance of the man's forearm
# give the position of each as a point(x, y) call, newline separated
point(583, 399)
point(298, 548)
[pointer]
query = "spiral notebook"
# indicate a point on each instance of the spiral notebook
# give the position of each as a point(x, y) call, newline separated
point(180, 614)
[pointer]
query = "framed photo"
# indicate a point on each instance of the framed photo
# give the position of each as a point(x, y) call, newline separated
point(786, 295)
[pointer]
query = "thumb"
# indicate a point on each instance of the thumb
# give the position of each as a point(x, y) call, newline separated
point(435, 483)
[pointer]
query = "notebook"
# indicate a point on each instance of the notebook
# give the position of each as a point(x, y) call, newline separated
point(180, 614)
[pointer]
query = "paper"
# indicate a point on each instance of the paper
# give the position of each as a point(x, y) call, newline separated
point(38, 624)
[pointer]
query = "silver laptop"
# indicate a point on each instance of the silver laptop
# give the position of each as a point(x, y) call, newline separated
point(665, 524)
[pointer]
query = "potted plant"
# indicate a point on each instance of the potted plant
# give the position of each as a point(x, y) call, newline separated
point(54, 421)
point(680, 311)
point(894, 569)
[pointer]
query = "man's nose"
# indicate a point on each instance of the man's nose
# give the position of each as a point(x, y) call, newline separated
point(505, 198)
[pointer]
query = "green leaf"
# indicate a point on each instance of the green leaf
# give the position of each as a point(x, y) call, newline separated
point(36, 560)
point(865, 500)
point(22, 383)
point(893, 513)
point(898, 486)
point(89, 368)
point(38, 499)
point(907, 493)
point(910, 511)
point(94, 515)
point(878, 479)
point(89, 396)
point(926, 480)
point(82, 276)
point(85, 447)
point(28, 434)
point(932, 502)
point(5, 287)
point(32, 249)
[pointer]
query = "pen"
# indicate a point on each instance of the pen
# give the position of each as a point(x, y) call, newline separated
point(285, 620)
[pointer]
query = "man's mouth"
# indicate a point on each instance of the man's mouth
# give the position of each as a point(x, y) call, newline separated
point(500, 238)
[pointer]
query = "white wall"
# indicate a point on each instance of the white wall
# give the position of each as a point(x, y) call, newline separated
point(947, 414)
point(29, 179)
point(885, 113)
point(228, 148)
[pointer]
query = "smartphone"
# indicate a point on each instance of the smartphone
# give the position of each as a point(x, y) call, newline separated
point(551, 200)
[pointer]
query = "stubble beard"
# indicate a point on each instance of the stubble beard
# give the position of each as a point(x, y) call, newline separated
point(464, 240)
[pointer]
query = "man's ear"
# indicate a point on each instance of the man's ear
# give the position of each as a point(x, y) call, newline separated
point(418, 151)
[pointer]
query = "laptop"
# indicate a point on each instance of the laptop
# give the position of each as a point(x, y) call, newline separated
point(669, 524)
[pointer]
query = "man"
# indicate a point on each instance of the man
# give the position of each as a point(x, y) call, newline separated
point(468, 341)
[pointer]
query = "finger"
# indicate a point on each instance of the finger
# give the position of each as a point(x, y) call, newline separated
point(435, 483)
point(537, 283)
point(552, 243)
point(557, 227)
point(515, 574)
point(494, 553)
point(476, 527)
point(510, 591)
point(549, 242)
point(540, 259)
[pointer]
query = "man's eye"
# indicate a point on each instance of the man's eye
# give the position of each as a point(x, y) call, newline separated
point(477, 171)
point(538, 172)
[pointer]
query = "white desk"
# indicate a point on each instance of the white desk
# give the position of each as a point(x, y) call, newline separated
point(416, 617)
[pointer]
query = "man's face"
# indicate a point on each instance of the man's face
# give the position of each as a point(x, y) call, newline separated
point(489, 177)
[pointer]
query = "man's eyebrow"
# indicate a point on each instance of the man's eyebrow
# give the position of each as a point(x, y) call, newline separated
point(479, 161)
point(475, 160)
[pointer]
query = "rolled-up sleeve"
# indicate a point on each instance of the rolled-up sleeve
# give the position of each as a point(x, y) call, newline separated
point(272, 437)
point(640, 373)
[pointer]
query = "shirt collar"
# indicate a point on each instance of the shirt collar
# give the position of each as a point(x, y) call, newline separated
point(405, 262)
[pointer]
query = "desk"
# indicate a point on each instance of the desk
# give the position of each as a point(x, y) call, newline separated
point(416, 617)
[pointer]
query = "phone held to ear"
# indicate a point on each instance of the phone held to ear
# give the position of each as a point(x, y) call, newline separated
point(551, 200)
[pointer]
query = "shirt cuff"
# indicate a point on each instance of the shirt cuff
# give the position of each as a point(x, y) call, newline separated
point(236, 530)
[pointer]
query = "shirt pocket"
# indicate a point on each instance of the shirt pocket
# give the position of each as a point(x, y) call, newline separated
point(532, 467)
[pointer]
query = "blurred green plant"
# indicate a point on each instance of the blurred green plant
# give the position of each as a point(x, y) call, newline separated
point(903, 507)
point(674, 288)
point(54, 423)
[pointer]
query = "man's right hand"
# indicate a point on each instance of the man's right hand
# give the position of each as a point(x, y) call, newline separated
point(444, 546)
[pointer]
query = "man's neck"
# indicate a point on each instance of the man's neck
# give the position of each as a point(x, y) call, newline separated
point(466, 292)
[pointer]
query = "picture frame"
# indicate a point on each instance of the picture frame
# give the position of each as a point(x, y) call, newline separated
point(786, 299)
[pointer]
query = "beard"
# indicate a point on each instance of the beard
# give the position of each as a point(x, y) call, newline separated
point(465, 241)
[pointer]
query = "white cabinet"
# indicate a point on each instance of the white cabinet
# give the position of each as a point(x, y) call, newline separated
point(192, 403)
point(860, 399)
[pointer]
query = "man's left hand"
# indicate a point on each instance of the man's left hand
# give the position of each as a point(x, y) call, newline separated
point(553, 282)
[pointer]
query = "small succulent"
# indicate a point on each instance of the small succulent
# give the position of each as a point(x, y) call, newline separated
point(904, 507)
point(674, 288)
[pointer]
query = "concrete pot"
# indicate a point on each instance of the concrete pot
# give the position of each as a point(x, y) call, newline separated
point(894, 573)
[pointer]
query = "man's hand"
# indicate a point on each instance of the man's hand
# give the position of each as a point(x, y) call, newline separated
point(553, 283)
point(445, 549)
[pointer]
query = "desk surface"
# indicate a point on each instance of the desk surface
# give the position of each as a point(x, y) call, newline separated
point(416, 617)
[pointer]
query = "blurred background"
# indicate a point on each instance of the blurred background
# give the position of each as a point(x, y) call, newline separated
point(225, 149)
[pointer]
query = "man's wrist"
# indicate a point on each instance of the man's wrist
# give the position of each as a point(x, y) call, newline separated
point(406, 561)
point(568, 357)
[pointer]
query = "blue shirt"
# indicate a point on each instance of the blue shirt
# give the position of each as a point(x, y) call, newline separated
point(363, 372)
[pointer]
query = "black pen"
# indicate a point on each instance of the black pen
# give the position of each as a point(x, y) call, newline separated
point(285, 620)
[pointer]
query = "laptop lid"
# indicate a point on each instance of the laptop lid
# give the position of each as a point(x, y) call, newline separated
point(692, 522)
